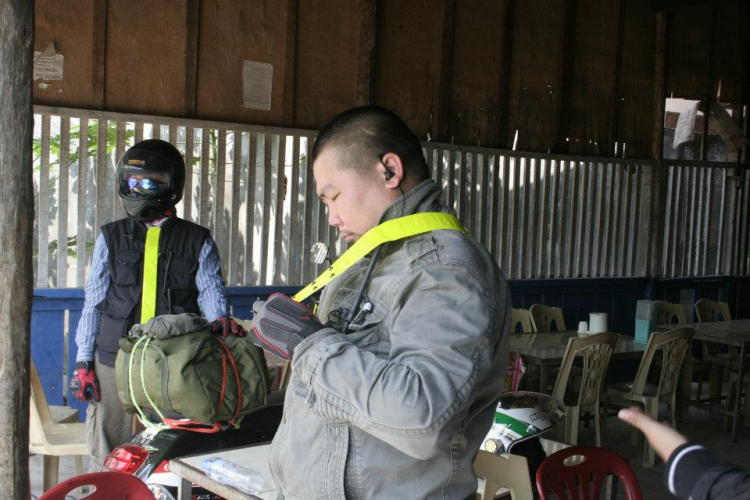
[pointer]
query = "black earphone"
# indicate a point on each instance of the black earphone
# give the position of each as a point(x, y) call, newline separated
point(389, 174)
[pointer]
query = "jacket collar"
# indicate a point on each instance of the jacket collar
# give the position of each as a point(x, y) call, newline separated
point(424, 197)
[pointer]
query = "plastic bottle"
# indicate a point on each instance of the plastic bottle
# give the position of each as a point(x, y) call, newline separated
point(229, 473)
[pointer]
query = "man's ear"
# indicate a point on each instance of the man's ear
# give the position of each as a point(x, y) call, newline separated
point(394, 170)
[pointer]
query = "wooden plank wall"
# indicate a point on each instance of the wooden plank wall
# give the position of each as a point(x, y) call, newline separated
point(560, 76)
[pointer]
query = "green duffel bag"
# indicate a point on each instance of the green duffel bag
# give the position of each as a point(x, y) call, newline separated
point(192, 374)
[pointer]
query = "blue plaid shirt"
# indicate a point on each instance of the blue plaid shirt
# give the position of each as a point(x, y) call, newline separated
point(212, 296)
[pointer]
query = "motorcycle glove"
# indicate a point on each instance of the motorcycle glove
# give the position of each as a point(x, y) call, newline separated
point(281, 323)
point(226, 326)
point(85, 385)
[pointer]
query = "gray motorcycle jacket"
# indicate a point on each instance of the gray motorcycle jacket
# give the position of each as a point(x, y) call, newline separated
point(398, 407)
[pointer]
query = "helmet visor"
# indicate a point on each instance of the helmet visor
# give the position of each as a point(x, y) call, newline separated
point(137, 185)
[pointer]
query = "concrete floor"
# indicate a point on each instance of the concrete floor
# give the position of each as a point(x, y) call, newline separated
point(702, 427)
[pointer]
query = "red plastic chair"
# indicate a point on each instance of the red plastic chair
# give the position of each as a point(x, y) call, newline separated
point(583, 480)
point(107, 486)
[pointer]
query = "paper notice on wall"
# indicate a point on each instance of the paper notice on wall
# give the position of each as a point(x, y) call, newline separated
point(48, 65)
point(685, 124)
point(257, 82)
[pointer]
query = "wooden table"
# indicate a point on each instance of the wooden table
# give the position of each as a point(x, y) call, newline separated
point(734, 333)
point(252, 457)
point(547, 349)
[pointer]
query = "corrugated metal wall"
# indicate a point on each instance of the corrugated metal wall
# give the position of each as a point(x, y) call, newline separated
point(540, 215)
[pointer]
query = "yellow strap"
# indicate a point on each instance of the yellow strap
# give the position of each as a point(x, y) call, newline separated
point(392, 230)
point(150, 272)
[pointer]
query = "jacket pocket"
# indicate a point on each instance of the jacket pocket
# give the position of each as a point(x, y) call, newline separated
point(126, 270)
point(182, 273)
point(338, 451)
point(114, 323)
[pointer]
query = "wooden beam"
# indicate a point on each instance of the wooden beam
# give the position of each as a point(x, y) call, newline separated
point(192, 37)
point(98, 54)
point(657, 195)
point(617, 83)
point(506, 72)
point(442, 106)
point(290, 62)
point(16, 224)
point(708, 86)
point(367, 36)
point(665, 5)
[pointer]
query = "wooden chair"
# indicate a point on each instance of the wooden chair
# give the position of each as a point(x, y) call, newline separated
point(522, 318)
point(596, 351)
point(542, 318)
point(667, 314)
point(674, 345)
point(503, 471)
point(711, 310)
point(54, 438)
point(580, 472)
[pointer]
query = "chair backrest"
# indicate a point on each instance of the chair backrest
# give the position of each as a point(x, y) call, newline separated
point(520, 317)
point(556, 476)
point(711, 310)
point(39, 413)
point(503, 471)
point(543, 316)
point(670, 313)
point(108, 485)
point(596, 351)
point(674, 345)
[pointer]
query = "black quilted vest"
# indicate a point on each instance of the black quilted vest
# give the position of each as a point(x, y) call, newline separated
point(180, 244)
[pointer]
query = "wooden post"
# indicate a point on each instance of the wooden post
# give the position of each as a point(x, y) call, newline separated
point(658, 173)
point(16, 226)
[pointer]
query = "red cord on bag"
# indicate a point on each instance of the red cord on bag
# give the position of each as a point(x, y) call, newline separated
point(216, 427)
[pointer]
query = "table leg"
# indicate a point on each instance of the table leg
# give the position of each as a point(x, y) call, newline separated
point(738, 395)
point(185, 490)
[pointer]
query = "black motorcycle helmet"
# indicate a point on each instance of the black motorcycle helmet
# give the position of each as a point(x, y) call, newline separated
point(151, 177)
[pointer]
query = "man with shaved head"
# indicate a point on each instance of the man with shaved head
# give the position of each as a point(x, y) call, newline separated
point(394, 383)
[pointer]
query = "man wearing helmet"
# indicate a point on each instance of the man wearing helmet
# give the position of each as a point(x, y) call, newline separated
point(147, 264)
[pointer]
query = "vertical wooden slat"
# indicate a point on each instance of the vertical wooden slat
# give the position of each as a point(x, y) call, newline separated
point(62, 212)
point(521, 218)
point(626, 216)
point(589, 248)
point(279, 260)
point(102, 193)
point(744, 222)
point(532, 217)
point(707, 220)
point(44, 206)
point(699, 195)
point(119, 151)
point(614, 235)
point(555, 167)
point(204, 187)
point(512, 195)
point(485, 205)
point(568, 227)
point(192, 29)
point(138, 131)
point(234, 220)
point(580, 242)
point(721, 179)
point(607, 178)
point(219, 224)
point(250, 277)
point(675, 220)
point(451, 200)
point(492, 168)
point(187, 195)
point(83, 170)
point(640, 209)
point(541, 237)
point(562, 204)
point(307, 220)
point(730, 212)
point(267, 201)
point(297, 252)
point(691, 233)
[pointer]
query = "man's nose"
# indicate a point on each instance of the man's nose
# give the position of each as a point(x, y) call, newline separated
point(333, 218)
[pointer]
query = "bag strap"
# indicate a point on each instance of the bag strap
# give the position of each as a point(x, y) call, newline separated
point(392, 230)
